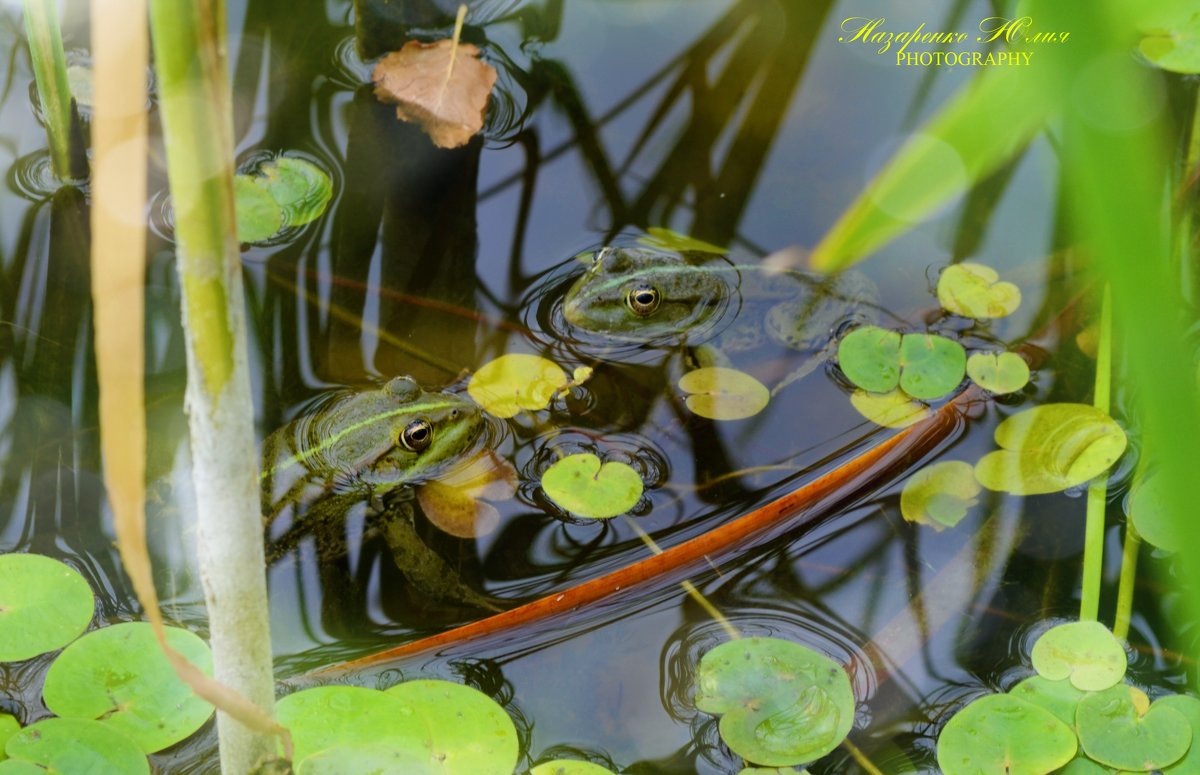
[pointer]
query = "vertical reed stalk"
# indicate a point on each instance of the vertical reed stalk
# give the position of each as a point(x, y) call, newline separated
point(189, 47)
point(1093, 542)
point(50, 72)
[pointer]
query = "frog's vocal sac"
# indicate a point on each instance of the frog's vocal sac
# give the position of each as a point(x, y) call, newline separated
point(648, 296)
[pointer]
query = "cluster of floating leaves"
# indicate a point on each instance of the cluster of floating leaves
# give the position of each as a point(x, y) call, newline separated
point(1077, 713)
point(115, 695)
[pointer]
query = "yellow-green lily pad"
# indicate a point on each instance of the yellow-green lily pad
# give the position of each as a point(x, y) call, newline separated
point(281, 192)
point(44, 605)
point(259, 217)
point(1059, 697)
point(9, 726)
point(925, 366)
point(891, 410)
point(584, 486)
point(1176, 49)
point(780, 703)
point(1050, 448)
point(975, 291)
point(1189, 708)
point(119, 676)
point(1081, 765)
point(464, 729)
point(515, 382)
point(1148, 511)
point(999, 373)
point(662, 238)
point(1115, 732)
point(1004, 734)
point(569, 767)
point(367, 758)
point(71, 745)
point(720, 393)
point(940, 494)
point(1087, 653)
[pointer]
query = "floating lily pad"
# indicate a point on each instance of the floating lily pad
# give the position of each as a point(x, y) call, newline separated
point(1050, 448)
point(69, 746)
point(780, 703)
point(344, 716)
point(1081, 765)
point(723, 394)
point(999, 373)
point(940, 494)
point(569, 767)
point(1148, 511)
point(1189, 708)
point(974, 291)
point(9, 726)
point(284, 191)
point(772, 771)
point(368, 759)
point(516, 381)
point(1176, 49)
point(120, 676)
point(464, 729)
point(891, 410)
point(668, 239)
point(1059, 697)
point(1002, 733)
point(1085, 652)
point(1113, 731)
point(44, 605)
point(583, 486)
point(924, 366)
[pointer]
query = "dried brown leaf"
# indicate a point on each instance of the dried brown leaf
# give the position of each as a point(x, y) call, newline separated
point(447, 101)
point(455, 502)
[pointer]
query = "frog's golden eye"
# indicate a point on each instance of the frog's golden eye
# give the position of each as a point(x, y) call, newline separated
point(642, 300)
point(417, 436)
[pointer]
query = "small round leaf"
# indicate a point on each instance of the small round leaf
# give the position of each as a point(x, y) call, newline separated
point(932, 365)
point(940, 494)
point(1002, 733)
point(719, 393)
point(780, 703)
point(569, 767)
point(999, 373)
point(69, 745)
point(368, 759)
point(1050, 448)
point(1189, 708)
point(120, 676)
point(464, 729)
point(583, 486)
point(1176, 49)
point(344, 716)
point(259, 217)
point(891, 410)
point(1114, 732)
point(1148, 511)
point(300, 188)
point(972, 290)
point(1085, 652)
point(44, 605)
point(516, 381)
point(870, 358)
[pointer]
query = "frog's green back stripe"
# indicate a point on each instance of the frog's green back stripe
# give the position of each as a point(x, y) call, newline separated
point(616, 281)
point(333, 439)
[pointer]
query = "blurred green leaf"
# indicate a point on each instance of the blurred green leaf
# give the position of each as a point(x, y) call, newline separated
point(1087, 653)
point(1176, 48)
point(940, 494)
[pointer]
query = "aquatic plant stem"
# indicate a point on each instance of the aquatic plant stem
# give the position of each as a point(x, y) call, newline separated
point(861, 758)
point(1129, 562)
point(1093, 542)
point(189, 47)
point(50, 72)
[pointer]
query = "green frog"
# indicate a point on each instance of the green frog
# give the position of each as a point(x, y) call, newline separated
point(370, 446)
point(699, 299)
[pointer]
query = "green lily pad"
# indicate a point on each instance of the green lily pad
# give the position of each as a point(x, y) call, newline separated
point(1001, 733)
point(1050, 448)
point(940, 494)
point(369, 759)
point(120, 676)
point(1176, 49)
point(20, 767)
point(719, 393)
point(974, 291)
point(259, 217)
point(284, 191)
point(438, 726)
point(69, 746)
point(514, 382)
point(1113, 732)
point(661, 238)
point(1085, 652)
point(569, 767)
point(44, 605)
point(1189, 708)
point(9, 726)
point(1148, 511)
point(780, 703)
point(1081, 765)
point(583, 486)
point(891, 410)
point(1059, 697)
point(999, 373)
point(772, 771)
point(924, 366)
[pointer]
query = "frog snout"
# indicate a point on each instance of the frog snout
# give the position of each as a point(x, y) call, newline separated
point(573, 311)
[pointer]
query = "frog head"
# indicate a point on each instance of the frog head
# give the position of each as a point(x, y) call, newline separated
point(643, 295)
point(427, 430)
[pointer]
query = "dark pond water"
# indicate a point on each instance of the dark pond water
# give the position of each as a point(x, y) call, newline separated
point(740, 122)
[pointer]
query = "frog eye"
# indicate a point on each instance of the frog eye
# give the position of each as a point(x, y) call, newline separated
point(642, 300)
point(417, 436)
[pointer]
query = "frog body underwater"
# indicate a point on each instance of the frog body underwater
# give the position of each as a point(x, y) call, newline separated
point(653, 297)
point(365, 446)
